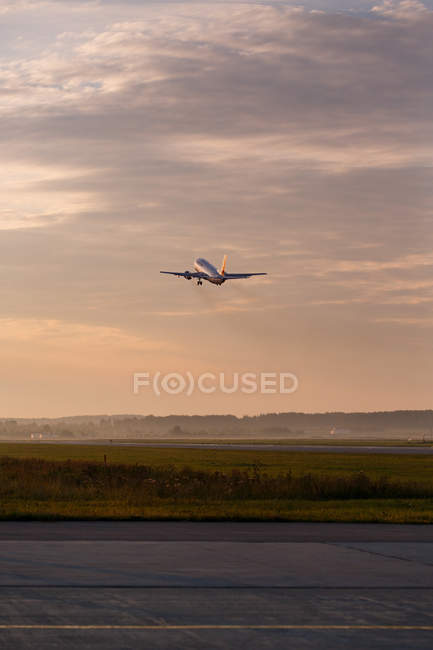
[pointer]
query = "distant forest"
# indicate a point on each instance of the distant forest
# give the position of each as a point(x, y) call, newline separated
point(271, 425)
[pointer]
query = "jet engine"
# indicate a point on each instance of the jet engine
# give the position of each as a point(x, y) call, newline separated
point(187, 275)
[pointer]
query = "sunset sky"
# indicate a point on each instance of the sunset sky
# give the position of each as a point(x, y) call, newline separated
point(295, 137)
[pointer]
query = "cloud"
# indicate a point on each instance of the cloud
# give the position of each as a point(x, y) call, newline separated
point(406, 262)
point(58, 334)
point(401, 9)
point(25, 201)
point(9, 6)
point(254, 98)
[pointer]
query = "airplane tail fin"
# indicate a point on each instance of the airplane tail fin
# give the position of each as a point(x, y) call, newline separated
point(223, 266)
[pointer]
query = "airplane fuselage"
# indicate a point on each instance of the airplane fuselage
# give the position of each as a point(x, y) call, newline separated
point(203, 266)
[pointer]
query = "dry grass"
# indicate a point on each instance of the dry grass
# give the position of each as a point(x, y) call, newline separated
point(44, 489)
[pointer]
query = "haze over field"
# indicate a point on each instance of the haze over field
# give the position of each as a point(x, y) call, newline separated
point(415, 426)
point(136, 136)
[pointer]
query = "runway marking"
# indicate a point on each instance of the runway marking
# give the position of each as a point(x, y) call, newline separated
point(220, 627)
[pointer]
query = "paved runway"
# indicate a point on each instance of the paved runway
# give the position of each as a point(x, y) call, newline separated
point(215, 585)
point(328, 449)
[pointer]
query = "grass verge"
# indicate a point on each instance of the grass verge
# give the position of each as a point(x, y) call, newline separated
point(397, 511)
point(77, 489)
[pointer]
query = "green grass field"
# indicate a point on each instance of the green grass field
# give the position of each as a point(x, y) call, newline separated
point(151, 483)
point(419, 468)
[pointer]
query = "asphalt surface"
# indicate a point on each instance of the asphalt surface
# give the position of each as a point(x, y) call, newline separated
point(330, 449)
point(177, 585)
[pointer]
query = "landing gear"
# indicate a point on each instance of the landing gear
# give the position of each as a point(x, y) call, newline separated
point(199, 282)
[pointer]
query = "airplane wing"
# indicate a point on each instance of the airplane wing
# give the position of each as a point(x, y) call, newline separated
point(186, 274)
point(240, 276)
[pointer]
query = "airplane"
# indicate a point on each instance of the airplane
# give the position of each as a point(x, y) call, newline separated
point(204, 270)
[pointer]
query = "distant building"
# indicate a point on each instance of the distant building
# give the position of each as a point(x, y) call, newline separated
point(339, 430)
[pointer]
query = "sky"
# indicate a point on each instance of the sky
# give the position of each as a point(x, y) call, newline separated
point(295, 137)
